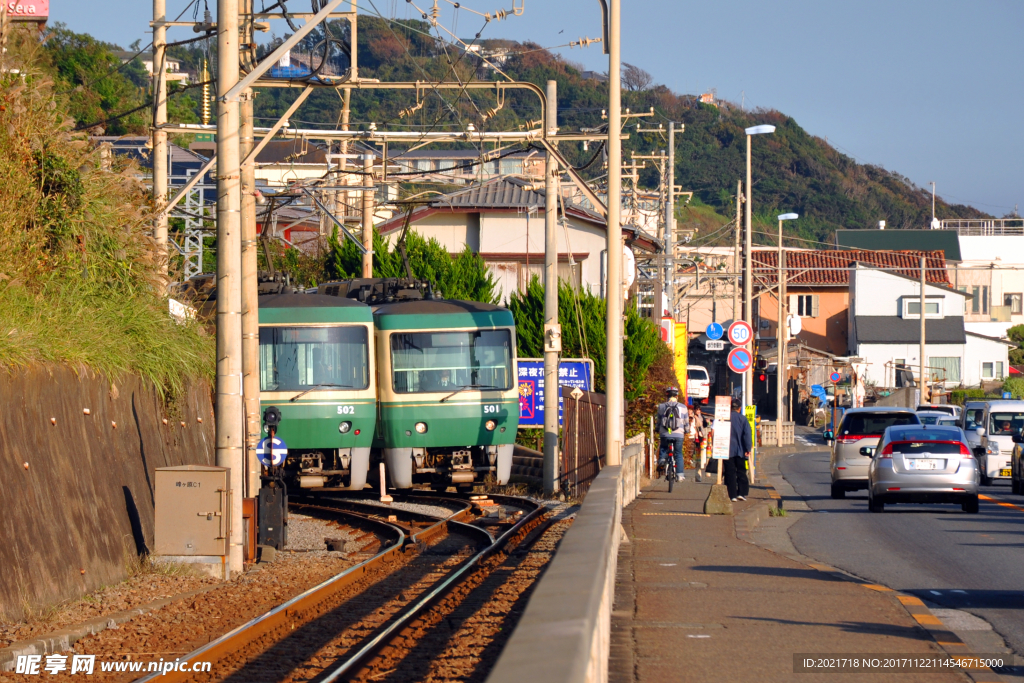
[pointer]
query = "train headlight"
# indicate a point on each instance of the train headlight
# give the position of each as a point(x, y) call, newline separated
point(421, 427)
point(344, 427)
point(490, 425)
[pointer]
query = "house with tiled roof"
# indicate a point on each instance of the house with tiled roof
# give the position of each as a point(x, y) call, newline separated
point(817, 289)
point(503, 221)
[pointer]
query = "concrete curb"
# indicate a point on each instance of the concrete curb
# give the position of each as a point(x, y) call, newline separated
point(944, 638)
point(65, 638)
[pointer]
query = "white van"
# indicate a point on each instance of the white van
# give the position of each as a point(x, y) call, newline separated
point(698, 383)
point(1001, 420)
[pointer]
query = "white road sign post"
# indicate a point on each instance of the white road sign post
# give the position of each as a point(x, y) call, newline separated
point(723, 430)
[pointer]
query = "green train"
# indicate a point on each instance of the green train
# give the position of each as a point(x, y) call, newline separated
point(439, 405)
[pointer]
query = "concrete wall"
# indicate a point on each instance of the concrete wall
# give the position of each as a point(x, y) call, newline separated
point(77, 493)
point(981, 350)
point(878, 355)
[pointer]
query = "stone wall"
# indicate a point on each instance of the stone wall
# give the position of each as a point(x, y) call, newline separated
point(77, 458)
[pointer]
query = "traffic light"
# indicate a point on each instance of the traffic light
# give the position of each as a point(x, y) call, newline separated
point(763, 377)
point(762, 365)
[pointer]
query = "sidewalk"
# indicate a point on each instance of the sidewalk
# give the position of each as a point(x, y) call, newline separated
point(694, 603)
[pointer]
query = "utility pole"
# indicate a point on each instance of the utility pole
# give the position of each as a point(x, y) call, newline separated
point(552, 330)
point(250, 298)
point(614, 381)
point(748, 284)
point(368, 214)
point(160, 163)
point(736, 254)
point(670, 220)
point(925, 392)
point(230, 428)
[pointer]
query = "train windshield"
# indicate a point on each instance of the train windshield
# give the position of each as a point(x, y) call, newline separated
point(298, 358)
point(423, 362)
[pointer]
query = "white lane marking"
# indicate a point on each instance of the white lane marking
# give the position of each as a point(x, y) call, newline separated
point(699, 636)
point(935, 592)
point(668, 565)
point(957, 590)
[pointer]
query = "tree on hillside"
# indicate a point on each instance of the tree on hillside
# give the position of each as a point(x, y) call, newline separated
point(634, 78)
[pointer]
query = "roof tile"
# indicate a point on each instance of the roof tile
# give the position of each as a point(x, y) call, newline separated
point(832, 267)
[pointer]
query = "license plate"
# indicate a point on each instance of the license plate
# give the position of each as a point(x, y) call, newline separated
point(921, 464)
point(1004, 473)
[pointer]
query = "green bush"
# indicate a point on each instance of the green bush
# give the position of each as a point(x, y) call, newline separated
point(1015, 385)
point(582, 316)
point(961, 396)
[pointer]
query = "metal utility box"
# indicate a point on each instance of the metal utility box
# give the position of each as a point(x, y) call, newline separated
point(193, 505)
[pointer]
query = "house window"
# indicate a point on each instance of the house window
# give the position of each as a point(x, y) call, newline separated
point(992, 369)
point(1014, 302)
point(944, 369)
point(979, 299)
point(912, 308)
point(804, 305)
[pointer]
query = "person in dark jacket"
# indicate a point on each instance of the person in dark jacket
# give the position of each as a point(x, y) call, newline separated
point(740, 445)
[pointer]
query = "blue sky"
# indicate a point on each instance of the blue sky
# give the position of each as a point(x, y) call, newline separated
point(931, 90)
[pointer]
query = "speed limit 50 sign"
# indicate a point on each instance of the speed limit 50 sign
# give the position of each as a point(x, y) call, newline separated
point(740, 333)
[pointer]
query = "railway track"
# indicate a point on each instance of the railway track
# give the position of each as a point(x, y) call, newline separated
point(351, 625)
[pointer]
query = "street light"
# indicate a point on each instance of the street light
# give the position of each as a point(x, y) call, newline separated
point(780, 366)
point(748, 280)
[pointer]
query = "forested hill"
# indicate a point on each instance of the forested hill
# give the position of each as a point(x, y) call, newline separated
point(793, 170)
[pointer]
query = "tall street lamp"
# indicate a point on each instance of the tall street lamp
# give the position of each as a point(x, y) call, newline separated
point(748, 280)
point(780, 366)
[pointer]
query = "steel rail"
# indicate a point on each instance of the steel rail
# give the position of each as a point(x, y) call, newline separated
point(519, 531)
point(284, 613)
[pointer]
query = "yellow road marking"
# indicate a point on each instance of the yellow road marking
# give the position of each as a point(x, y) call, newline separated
point(877, 587)
point(910, 600)
point(928, 619)
point(997, 501)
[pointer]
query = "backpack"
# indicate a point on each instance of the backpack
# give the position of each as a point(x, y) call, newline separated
point(671, 420)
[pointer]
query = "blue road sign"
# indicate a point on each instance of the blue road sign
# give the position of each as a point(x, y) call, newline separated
point(740, 360)
point(835, 377)
point(271, 454)
point(573, 373)
point(714, 331)
point(1007, 395)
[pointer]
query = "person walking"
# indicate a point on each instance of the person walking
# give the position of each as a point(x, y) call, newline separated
point(740, 445)
point(673, 424)
point(697, 434)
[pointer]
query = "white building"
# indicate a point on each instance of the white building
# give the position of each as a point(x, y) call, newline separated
point(884, 330)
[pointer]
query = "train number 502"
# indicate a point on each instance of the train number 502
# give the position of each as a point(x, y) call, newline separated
point(490, 409)
point(346, 410)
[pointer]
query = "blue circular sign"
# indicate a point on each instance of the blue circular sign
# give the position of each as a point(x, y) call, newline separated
point(714, 331)
point(271, 454)
point(835, 377)
point(740, 360)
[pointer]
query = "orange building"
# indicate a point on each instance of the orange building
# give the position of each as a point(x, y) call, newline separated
point(818, 289)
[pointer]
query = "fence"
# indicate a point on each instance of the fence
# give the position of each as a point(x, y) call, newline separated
point(564, 635)
point(769, 435)
point(583, 432)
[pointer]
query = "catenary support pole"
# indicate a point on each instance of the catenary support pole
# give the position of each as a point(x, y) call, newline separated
point(925, 391)
point(250, 300)
point(160, 161)
point(780, 346)
point(736, 254)
point(670, 221)
point(368, 215)
point(552, 332)
point(614, 382)
point(748, 284)
point(230, 439)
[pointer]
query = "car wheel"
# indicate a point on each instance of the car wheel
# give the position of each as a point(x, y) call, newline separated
point(875, 505)
point(970, 505)
point(838, 492)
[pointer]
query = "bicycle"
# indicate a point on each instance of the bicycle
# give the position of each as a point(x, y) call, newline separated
point(670, 471)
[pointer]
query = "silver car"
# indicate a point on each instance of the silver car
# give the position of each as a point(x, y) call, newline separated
point(855, 441)
point(931, 417)
point(923, 464)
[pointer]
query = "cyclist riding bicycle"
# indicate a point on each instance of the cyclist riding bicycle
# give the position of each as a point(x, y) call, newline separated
point(673, 424)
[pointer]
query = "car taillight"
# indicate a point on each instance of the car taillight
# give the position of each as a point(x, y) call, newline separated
point(851, 438)
point(887, 451)
point(965, 452)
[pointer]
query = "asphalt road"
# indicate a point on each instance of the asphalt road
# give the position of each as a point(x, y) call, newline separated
point(960, 561)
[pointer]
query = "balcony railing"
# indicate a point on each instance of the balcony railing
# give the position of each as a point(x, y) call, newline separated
point(985, 227)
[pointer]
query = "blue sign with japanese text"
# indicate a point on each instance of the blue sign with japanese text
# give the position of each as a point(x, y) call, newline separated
point(571, 373)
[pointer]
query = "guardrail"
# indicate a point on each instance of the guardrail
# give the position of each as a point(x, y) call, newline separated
point(564, 635)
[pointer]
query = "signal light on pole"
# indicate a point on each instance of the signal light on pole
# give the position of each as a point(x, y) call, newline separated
point(762, 377)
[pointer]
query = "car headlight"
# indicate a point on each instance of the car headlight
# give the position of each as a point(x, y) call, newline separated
point(421, 427)
point(344, 427)
point(490, 425)
point(992, 448)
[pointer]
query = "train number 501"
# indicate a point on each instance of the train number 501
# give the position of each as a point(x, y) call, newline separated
point(490, 409)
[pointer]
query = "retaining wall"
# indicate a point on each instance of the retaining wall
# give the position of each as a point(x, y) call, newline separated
point(564, 634)
point(77, 489)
